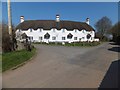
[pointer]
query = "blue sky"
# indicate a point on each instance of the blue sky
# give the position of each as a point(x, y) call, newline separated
point(62, 0)
point(73, 11)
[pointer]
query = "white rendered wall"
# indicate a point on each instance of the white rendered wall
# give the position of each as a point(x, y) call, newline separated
point(36, 34)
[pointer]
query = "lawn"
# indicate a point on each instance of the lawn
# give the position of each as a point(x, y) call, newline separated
point(12, 59)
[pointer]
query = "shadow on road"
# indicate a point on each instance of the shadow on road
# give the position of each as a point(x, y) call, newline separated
point(111, 78)
point(115, 49)
point(113, 43)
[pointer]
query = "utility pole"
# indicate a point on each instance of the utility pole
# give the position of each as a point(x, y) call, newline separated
point(10, 25)
point(9, 19)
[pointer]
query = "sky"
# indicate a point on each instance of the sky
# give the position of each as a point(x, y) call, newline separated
point(62, 0)
point(73, 11)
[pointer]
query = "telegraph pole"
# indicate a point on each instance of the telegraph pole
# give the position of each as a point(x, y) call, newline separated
point(10, 24)
point(9, 19)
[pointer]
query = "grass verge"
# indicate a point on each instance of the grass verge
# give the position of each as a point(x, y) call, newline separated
point(0, 63)
point(12, 59)
point(82, 44)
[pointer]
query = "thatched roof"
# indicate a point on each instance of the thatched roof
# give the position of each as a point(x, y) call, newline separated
point(49, 24)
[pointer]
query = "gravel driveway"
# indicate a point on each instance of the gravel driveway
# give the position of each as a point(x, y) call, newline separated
point(63, 67)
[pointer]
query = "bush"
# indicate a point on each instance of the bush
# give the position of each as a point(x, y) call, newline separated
point(6, 42)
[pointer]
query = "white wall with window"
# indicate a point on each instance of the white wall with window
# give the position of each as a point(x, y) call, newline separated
point(62, 35)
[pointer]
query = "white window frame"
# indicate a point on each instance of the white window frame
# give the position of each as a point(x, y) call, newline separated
point(53, 38)
point(83, 37)
point(53, 29)
point(63, 30)
point(63, 38)
point(30, 29)
point(83, 31)
point(40, 38)
point(40, 29)
point(75, 38)
point(75, 30)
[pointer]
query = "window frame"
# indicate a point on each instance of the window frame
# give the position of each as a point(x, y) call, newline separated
point(63, 30)
point(40, 29)
point(53, 38)
point(63, 38)
point(40, 38)
point(75, 38)
point(31, 30)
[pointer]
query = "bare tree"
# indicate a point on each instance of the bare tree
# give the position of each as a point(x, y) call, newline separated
point(115, 30)
point(103, 25)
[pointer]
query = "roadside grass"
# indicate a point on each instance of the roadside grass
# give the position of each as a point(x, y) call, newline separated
point(0, 63)
point(12, 59)
point(81, 44)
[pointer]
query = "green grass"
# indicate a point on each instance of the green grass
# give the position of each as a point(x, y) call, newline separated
point(81, 44)
point(0, 63)
point(12, 59)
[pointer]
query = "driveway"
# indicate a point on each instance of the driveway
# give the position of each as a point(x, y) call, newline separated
point(63, 67)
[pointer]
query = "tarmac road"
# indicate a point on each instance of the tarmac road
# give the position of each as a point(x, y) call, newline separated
point(63, 67)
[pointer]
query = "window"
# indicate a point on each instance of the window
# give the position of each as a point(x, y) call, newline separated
point(79, 39)
point(40, 38)
point(40, 30)
point(83, 31)
point(75, 30)
point(31, 38)
point(75, 38)
point(19, 30)
point(63, 30)
point(30, 29)
point(88, 36)
point(69, 36)
point(63, 38)
point(53, 38)
point(83, 37)
point(53, 30)
point(47, 36)
point(91, 38)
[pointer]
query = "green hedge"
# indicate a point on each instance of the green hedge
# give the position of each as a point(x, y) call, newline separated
point(72, 44)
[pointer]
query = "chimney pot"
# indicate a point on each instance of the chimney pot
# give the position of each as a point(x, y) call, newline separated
point(57, 18)
point(21, 19)
point(88, 21)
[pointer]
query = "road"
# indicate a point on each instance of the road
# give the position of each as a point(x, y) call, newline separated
point(63, 67)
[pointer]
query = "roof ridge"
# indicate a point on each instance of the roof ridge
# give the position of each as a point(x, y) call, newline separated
point(54, 20)
point(48, 24)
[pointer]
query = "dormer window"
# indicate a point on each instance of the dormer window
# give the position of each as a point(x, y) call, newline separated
point(40, 29)
point(54, 30)
point(63, 30)
point(30, 29)
point(75, 30)
point(83, 31)
point(19, 30)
